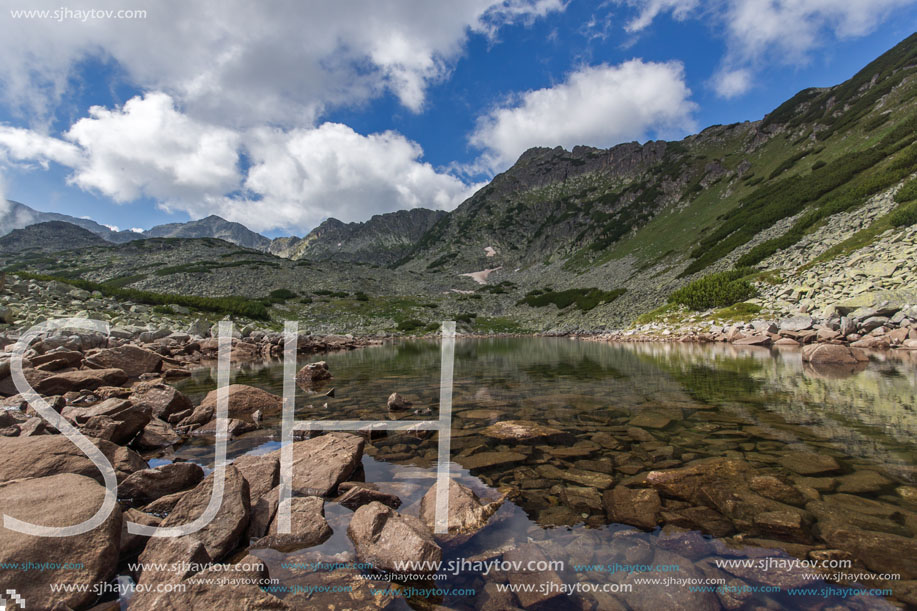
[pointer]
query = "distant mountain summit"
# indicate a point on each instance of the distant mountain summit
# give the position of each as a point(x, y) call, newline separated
point(212, 227)
point(383, 239)
point(49, 236)
point(17, 216)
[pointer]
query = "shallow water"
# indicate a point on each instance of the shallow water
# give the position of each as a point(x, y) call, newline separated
point(629, 410)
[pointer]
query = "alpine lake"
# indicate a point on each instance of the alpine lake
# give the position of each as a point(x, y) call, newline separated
point(663, 468)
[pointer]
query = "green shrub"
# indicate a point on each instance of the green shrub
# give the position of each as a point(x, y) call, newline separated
point(306, 300)
point(716, 290)
point(410, 325)
point(282, 294)
point(819, 165)
point(904, 215)
point(907, 192)
point(584, 299)
point(361, 296)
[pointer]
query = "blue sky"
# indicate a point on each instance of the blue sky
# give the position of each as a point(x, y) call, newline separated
point(279, 117)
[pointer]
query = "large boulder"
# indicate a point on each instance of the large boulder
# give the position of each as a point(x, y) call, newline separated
point(59, 500)
point(46, 455)
point(162, 399)
point(147, 485)
point(313, 373)
point(133, 360)
point(243, 402)
point(387, 539)
point(128, 419)
point(82, 379)
point(307, 525)
point(466, 515)
point(834, 354)
point(321, 463)
point(225, 530)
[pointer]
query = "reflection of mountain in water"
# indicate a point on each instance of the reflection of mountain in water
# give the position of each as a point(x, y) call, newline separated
point(868, 413)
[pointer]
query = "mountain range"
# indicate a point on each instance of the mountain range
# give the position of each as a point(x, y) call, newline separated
point(816, 177)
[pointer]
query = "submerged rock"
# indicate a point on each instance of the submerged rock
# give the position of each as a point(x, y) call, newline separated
point(636, 507)
point(523, 431)
point(396, 402)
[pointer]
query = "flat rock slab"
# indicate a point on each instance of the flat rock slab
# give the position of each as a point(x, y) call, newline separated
point(809, 463)
point(83, 379)
point(58, 500)
point(592, 479)
point(649, 420)
point(522, 430)
point(321, 463)
point(133, 360)
point(482, 460)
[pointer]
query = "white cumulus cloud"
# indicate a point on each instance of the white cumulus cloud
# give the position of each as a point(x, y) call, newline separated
point(596, 105)
point(236, 62)
point(758, 32)
point(291, 178)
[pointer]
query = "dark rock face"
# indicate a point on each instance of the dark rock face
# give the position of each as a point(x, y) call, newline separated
point(58, 500)
point(49, 236)
point(383, 239)
point(386, 538)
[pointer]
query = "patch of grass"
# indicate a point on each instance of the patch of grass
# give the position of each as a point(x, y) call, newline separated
point(742, 311)
point(583, 299)
point(328, 293)
point(662, 313)
point(238, 306)
point(497, 324)
point(716, 290)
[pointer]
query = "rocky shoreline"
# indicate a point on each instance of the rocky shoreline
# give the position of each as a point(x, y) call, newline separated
point(881, 325)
